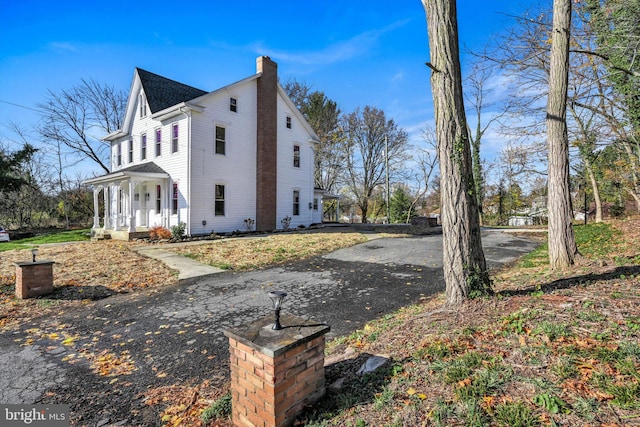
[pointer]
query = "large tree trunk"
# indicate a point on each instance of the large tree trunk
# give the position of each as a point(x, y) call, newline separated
point(464, 263)
point(562, 244)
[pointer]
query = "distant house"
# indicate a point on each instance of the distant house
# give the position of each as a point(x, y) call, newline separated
point(210, 160)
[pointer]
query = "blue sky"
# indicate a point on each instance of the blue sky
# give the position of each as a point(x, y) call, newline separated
point(357, 52)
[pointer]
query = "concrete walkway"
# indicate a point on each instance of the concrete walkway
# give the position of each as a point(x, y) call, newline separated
point(187, 268)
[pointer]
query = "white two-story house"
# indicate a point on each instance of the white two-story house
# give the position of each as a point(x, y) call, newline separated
point(210, 160)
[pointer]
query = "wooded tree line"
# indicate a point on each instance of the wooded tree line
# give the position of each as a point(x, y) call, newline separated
point(546, 59)
point(602, 97)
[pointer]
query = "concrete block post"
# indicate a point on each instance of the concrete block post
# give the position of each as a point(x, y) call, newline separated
point(34, 278)
point(275, 374)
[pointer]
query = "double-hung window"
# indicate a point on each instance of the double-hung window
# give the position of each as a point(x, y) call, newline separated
point(143, 146)
point(158, 142)
point(174, 138)
point(296, 156)
point(221, 140)
point(233, 105)
point(130, 158)
point(119, 154)
point(142, 100)
point(288, 122)
point(296, 202)
point(174, 199)
point(158, 198)
point(219, 200)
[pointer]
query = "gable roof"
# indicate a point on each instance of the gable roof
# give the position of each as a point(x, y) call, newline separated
point(162, 92)
point(148, 170)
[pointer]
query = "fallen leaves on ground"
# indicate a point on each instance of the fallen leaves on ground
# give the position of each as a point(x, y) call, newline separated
point(82, 272)
point(249, 253)
point(183, 405)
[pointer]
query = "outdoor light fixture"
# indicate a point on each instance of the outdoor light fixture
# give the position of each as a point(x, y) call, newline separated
point(34, 252)
point(277, 297)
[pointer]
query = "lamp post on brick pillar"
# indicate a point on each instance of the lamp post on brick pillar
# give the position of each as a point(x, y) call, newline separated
point(34, 278)
point(275, 373)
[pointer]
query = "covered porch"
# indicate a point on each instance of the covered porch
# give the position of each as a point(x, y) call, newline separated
point(134, 200)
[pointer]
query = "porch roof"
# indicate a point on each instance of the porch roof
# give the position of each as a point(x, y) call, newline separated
point(147, 170)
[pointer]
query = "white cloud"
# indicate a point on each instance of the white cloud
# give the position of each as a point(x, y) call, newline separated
point(63, 47)
point(337, 52)
point(398, 77)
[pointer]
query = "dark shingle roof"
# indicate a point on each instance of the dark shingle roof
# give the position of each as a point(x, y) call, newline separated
point(162, 92)
point(148, 167)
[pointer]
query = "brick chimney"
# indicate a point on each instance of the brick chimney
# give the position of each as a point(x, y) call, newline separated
point(267, 144)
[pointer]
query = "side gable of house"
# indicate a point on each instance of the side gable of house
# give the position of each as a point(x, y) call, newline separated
point(162, 92)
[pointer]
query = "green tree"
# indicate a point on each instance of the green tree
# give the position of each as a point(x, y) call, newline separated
point(12, 177)
point(617, 30)
point(400, 205)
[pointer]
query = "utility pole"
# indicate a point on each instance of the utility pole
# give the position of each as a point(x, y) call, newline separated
point(386, 169)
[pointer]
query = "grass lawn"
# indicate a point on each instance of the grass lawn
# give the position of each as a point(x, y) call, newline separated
point(53, 237)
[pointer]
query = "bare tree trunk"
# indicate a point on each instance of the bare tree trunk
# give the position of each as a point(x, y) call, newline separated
point(465, 269)
point(595, 189)
point(562, 244)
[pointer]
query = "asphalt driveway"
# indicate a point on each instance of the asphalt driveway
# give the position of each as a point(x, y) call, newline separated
point(173, 335)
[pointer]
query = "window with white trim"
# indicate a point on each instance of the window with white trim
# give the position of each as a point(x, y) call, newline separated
point(130, 157)
point(174, 199)
point(296, 156)
point(143, 146)
point(158, 198)
point(288, 122)
point(315, 204)
point(158, 142)
point(296, 202)
point(174, 138)
point(221, 140)
point(219, 200)
point(119, 154)
point(142, 100)
point(233, 105)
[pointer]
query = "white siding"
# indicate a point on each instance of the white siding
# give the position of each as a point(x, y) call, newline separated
point(291, 178)
point(236, 169)
point(197, 169)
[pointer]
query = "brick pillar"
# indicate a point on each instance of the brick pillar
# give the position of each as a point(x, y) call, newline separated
point(275, 374)
point(34, 278)
point(267, 144)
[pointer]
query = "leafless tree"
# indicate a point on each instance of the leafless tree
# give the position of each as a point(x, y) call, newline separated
point(79, 116)
point(372, 143)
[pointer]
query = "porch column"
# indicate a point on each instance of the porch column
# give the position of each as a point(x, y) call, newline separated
point(132, 216)
point(107, 207)
point(116, 225)
point(96, 207)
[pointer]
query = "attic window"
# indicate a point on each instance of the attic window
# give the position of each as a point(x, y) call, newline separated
point(143, 105)
point(288, 122)
point(233, 105)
